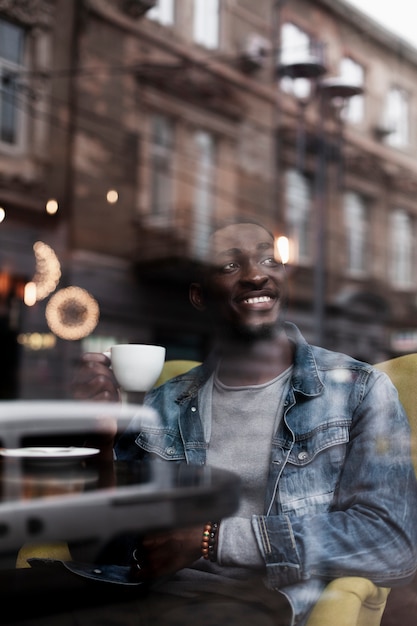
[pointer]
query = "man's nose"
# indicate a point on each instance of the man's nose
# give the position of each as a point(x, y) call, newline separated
point(253, 273)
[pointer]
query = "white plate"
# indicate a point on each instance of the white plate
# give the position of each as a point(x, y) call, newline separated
point(49, 453)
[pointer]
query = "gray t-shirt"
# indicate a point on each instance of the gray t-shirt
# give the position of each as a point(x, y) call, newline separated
point(239, 423)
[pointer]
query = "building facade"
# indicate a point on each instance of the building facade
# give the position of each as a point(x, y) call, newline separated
point(128, 126)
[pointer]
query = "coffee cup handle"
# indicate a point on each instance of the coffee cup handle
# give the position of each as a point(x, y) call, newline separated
point(107, 353)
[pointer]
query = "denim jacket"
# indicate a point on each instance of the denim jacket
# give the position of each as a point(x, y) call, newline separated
point(341, 497)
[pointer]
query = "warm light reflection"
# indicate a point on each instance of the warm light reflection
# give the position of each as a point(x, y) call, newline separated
point(29, 294)
point(112, 196)
point(2, 214)
point(72, 313)
point(51, 206)
point(5, 284)
point(37, 341)
point(283, 249)
point(48, 270)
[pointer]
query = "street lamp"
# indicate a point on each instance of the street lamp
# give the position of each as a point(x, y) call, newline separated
point(333, 93)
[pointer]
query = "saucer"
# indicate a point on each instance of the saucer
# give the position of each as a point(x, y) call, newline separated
point(48, 454)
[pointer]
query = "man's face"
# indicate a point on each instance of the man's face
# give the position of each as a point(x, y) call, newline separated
point(245, 286)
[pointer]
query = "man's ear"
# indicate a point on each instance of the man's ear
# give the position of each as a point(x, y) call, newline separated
point(196, 297)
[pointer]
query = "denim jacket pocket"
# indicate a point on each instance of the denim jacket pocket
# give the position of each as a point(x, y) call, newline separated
point(312, 472)
point(308, 446)
point(165, 443)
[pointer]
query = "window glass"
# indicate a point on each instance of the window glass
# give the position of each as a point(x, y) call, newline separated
point(11, 42)
point(356, 226)
point(295, 46)
point(204, 146)
point(162, 12)
point(397, 117)
point(11, 61)
point(162, 140)
point(298, 212)
point(353, 73)
point(206, 23)
point(402, 244)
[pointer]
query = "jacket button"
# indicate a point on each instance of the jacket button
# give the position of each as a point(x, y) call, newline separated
point(193, 409)
point(302, 456)
point(170, 451)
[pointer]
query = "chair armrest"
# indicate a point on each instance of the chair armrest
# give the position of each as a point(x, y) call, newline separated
point(349, 601)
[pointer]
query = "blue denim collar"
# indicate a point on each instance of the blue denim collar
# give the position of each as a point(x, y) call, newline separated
point(305, 379)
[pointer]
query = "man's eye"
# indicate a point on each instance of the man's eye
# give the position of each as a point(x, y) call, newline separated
point(229, 267)
point(270, 261)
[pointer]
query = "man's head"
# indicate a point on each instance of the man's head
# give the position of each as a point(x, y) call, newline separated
point(244, 286)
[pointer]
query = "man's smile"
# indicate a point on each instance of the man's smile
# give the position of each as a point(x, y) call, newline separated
point(258, 300)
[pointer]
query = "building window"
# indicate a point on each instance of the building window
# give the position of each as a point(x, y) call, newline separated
point(396, 120)
point(162, 12)
point(205, 150)
point(11, 65)
point(402, 245)
point(356, 225)
point(162, 143)
point(296, 45)
point(298, 215)
point(353, 74)
point(206, 23)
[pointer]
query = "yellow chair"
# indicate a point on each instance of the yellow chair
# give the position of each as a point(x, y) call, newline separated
point(403, 372)
point(349, 601)
point(175, 368)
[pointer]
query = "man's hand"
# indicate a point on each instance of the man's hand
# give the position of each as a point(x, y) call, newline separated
point(94, 379)
point(168, 552)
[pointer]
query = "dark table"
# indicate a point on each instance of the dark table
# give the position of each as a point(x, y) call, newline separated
point(88, 503)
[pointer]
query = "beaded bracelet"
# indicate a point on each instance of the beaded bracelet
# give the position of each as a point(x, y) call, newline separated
point(208, 542)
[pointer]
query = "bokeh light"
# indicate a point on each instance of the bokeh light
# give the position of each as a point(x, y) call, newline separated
point(112, 196)
point(283, 249)
point(48, 270)
point(29, 294)
point(37, 341)
point(52, 206)
point(72, 313)
point(2, 214)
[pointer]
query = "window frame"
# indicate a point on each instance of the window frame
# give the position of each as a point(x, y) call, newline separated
point(15, 68)
point(206, 23)
point(357, 231)
point(299, 216)
point(205, 159)
point(161, 162)
point(397, 122)
point(354, 111)
point(402, 255)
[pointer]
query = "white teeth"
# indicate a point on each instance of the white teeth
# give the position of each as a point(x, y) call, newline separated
point(258, 300)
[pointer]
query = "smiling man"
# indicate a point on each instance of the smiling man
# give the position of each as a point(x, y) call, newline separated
point(244, 286)
point(319, 439)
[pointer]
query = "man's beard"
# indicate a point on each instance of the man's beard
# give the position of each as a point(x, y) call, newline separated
point(255, 331)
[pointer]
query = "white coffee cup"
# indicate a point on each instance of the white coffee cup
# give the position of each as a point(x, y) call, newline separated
point(136, 366)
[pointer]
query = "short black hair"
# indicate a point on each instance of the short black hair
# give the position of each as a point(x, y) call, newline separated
point(234, 220)
point(200, 266)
